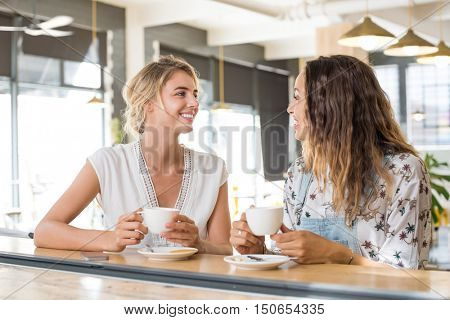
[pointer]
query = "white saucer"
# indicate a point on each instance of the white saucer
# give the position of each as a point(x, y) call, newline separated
point(268, 262)
point(168, 253)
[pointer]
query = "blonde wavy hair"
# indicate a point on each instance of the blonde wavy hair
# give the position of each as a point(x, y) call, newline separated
point(351, 128)
point(146, 86)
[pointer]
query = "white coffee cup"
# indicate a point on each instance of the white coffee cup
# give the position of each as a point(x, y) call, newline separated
point(156, 218)
point(265, 220)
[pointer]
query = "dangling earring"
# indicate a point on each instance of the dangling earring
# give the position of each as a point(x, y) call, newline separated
point(142, 128)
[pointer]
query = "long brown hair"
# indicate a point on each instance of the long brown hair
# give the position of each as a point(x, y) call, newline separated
point(351, 127)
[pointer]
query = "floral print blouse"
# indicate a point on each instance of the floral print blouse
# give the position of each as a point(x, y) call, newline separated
point(395, 232)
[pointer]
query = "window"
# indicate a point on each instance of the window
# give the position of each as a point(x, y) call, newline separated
point(82, 74)
point(36, 69)
point(57, 132)
point(387, 76)
point(5, 147)
point(232, 136)
point(235, 136)
point(235, 142)
point(428, 91)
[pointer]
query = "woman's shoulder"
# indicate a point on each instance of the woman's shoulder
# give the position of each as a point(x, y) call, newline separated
point(297, 166)
point(406, 164)
point(208, 163)
point(205, 157)
point(113, 153)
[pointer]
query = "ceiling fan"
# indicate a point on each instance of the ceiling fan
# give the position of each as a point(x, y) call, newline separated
point(46, 28)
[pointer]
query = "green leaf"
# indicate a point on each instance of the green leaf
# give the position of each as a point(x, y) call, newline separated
point(431, 162)
point(442, 164)
point(435, 203)
point(439, 176)
point(440, 190)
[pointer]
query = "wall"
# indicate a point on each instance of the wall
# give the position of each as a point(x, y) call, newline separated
point(109, 18)
point(194, 40)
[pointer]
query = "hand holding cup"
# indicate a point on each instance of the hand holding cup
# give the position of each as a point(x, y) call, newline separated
point(247, 234)
point(242, 238)
point(182, 230)
point(129, 230)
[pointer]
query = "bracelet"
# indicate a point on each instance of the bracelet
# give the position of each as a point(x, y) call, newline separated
point(350, 260)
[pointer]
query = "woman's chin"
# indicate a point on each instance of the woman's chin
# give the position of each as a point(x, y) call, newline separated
point(185, 129)
point(300, 136)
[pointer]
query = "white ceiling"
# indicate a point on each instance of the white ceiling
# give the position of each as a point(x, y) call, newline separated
point(286, 28)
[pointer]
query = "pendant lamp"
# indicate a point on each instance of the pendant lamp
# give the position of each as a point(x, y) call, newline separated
point(410, 44)
point(367, 35)
point(442, 56)
point(95, 100)
point(418, 116)
point(439, 58)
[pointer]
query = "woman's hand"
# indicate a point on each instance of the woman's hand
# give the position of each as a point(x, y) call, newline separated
point(243, 240)
point(310, 248)
point(183, 230)
point(129, 231)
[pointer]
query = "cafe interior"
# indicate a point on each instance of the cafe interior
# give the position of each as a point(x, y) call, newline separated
point(64, 63)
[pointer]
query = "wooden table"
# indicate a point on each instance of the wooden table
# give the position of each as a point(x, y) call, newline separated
point(210, 271)
point(25, 283)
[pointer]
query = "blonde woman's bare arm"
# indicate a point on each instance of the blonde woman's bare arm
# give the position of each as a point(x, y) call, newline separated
point(54, 230)
point(219, 225)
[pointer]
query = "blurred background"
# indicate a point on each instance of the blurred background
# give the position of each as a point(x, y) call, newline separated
point(61, 81)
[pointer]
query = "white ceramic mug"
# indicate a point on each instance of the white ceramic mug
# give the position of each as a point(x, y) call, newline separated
point(262, 221)
point(156, 218)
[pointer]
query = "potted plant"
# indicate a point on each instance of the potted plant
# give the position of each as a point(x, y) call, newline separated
point(437, 180)
point(117, 131)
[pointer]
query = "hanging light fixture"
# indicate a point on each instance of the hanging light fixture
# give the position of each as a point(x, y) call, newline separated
point(221, 106)
point(367, 35)
point(442, 56)
point(410, 44)
point(93, 51)
point(418, 115)
point(439, 58)
point(95, 100)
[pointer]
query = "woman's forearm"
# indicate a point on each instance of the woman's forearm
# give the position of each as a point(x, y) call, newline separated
point(59, 235)
point(343, 255)
point(362, 261)
point(206, 246)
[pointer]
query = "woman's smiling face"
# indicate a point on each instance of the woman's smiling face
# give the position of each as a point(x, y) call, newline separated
point(297, 108)
point(179, 104)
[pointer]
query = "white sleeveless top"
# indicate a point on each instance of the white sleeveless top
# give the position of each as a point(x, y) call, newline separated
point(126, 185)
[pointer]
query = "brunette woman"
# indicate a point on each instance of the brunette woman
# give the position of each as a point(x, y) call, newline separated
point(359, 194)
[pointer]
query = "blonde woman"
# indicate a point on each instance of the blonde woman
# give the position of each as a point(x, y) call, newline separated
point(359, 194)
point(153, 171)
